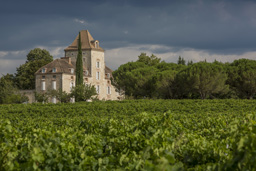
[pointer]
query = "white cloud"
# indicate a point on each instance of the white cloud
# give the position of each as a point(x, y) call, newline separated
point(9, 66)
point(118, 56)
point(83, 22)
point(56, 52)
point(10, 60)
point(3, 54)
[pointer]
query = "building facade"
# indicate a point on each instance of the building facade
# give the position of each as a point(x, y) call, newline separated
point(60, 73)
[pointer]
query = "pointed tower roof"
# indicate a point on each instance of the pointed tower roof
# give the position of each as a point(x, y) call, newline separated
point(88, 43)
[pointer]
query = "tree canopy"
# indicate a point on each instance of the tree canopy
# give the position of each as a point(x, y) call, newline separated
point(149, 77)
point(25, 75)
point(242, 77)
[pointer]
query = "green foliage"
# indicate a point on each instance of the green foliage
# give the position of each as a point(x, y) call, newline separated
point(8, 92)
point(41, 97)
point(202, 78)
point(242, 77)
point(122, 76)
point(83, 92)
point(60, 95)
point(79, 64)
point(25, 75)
point(150, 61)
point(129, 135)
point(38, 54)
point(181, 61)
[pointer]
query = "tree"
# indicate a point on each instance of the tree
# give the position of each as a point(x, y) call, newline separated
point(79, 64)
point(41, 97)
point(190, 62)
point(25, 75)
point(122, 76)
point(150, 61)
point(39, 54)
point(83, 92)
point(60, 95)
point(163, 82)
point(8, 92)
point(204, 79)
point(181, 61)
point(242, 77)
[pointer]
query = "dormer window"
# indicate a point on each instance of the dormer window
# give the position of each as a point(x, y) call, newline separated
point(108, 75)
point(43, 70)
point(72, 70)
point(96, 44)
point(54, 70)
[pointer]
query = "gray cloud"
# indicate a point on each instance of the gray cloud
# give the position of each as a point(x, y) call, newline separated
point(219, 27)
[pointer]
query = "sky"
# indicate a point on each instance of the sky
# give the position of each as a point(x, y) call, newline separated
point(223, 30)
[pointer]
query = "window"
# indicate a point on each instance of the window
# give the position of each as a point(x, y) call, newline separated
point(72, 77)
point(54, 100)
point(54, 70)
point(97, 75)
point(96, 44)
point(43, 70)
point(86, 72)
point(54, 85)
point(71, 85)
point(43, 85)
point(98, 64)
point(98, 89)
point(72, 70)
point(108, 75)
point(54, 76)
point(109, 90)
point(43, 77)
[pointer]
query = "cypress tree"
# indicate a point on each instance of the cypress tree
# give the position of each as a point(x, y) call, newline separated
point(79, 64)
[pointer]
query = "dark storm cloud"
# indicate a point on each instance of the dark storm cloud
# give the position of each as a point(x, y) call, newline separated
point(216, 26)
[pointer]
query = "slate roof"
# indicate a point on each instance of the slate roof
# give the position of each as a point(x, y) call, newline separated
point(88, 43)
point(61, 65)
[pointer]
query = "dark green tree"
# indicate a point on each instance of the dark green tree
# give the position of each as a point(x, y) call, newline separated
point(150, 61)
point(203, 79)
point(163, 82)
point(242, 77)
point(123, 74)
point(79, 64)
point(8, 91)
point(83, 92)
point(60, 95)
point(181, 61)
point(25, 75)
point(41, 97)
point(39, 54)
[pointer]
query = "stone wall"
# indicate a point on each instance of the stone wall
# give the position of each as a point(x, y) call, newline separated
point(30, 94)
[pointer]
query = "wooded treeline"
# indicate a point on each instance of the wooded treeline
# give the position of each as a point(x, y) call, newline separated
point(149, 77)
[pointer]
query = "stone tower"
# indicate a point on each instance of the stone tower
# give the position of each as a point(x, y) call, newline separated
point(92, 54)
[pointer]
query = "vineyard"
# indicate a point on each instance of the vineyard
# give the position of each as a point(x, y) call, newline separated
point(129, 135)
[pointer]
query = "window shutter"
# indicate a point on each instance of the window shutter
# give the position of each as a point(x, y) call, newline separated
point(43, 85)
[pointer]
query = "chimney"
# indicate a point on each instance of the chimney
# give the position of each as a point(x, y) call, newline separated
point(68, 59)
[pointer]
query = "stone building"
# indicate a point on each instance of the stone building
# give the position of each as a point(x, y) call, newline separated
point(60, 73)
